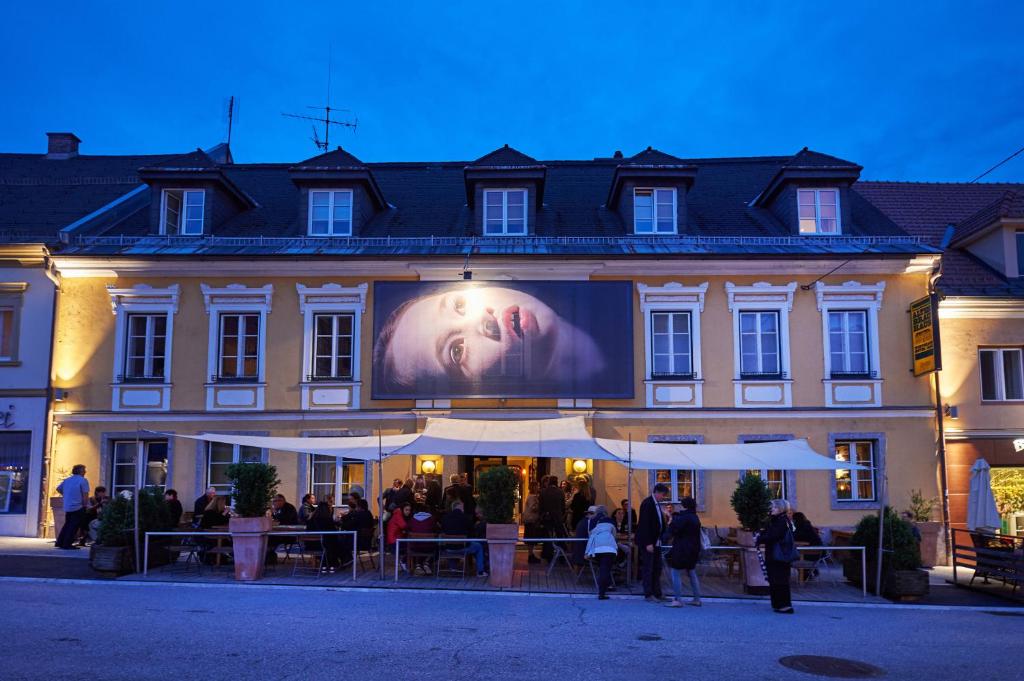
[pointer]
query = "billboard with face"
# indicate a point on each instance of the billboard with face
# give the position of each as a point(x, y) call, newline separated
point(502, 339)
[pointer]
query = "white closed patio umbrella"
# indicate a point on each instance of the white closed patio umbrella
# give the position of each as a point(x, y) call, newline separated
point(981, 503)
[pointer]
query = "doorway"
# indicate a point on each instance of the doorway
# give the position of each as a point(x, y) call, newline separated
point(527, 471)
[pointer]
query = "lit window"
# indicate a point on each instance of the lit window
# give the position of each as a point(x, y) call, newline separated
point(504, 211)
point(856, 485)
point(848, 342)
point(671, 349)
point(145, 355)
point(183, 212)
point(330, 213)
point(759, 344)
point(654, 211)
point(332, 477)
point(7, 331)
point(818, 211)
point(681, 482)
point(15, 461)
point(332, 346)
point(238, 356)
point(219, 456)
point(775, 479)
point(122, 465)
point(1001, 374)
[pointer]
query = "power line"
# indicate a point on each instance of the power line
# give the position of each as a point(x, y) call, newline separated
point(1008, 158)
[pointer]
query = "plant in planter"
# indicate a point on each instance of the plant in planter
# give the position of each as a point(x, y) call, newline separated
point(497, 487)
point(901, 558)
point(752, 502)
point(114, 547)
point(920, 510)
point(253, 485)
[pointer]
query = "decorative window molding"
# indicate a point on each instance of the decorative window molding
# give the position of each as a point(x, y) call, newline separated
point(330, 299)
point(878, 440)
point(769, 391)
point(330, 212)
point(852, 296)
point(247, 394)
point(699, 476)
point(153, 393)
point(649, 204)
point(667, 391)
point(788, 476)
point(109, 439)
point(12, 297)
point(1001, 372)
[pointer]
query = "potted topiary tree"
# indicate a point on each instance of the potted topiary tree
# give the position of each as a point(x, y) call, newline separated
point(253, 485)
point(752, 502)
point(920, 511)
point(901, 559)
point(497, 487)
point(114, 550)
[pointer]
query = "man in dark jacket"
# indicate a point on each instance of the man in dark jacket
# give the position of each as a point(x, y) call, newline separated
point(173, 506)
point(457, 522)
point(552, 514)
point(283, 512)
point(201, 503)
point(649, 529)
point(404, 495)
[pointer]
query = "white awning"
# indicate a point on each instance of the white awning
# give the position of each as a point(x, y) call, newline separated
point(362, 448)
point(792, 455)
point(535, 438)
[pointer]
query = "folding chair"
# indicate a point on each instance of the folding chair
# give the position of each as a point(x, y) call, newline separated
point(184, 545)
point(310, 549)
point(448, 553)
point(365, 545)
point(420, 551)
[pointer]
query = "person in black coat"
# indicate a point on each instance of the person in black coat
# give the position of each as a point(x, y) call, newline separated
point(283, 512)
point(403, 496)
point(778, 531)
point(649, 528)
point(552, 514)
point(685, 552)
point(173, 507)
point(322, 520)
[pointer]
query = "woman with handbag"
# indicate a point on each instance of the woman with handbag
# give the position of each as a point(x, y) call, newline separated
point(779, 554)
point(685, 552)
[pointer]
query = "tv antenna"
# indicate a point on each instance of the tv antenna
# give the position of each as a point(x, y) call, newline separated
point(326, 121)
point(232, 111)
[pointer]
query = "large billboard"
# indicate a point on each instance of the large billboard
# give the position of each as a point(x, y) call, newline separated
point(502, 339)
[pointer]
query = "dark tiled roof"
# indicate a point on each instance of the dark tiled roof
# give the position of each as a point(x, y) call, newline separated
point(336, 158)
point(194, 160)
point(504, 157)
point(805, 158)
point(927, 209)
point(651, 156)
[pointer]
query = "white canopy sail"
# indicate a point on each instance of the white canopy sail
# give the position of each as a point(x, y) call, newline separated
point(793, 455)
point(362, 448)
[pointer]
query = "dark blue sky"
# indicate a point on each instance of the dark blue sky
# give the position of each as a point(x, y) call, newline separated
point(909, 90)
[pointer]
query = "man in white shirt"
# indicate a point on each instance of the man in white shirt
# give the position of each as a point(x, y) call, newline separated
point(75, 491)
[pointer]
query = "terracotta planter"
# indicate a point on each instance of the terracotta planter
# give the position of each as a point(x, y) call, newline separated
point(249, 546)
point(501, 541)
point(111, 559)
point(931, 534)
point(754, 581)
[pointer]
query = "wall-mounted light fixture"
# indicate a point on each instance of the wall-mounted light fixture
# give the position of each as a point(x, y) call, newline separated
point(579, 466)
point(60, 395)
point(428, 466)
point(951, 411)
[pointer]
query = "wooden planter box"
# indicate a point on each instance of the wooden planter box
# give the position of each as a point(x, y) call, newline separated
point(116, 560)
point(900, 585)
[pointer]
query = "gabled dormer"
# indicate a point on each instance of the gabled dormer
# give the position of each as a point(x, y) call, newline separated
point(995, 234)
point(505, 189)
point(810, 194)
point(649, 192)
point(191, 195)
point(338, 194)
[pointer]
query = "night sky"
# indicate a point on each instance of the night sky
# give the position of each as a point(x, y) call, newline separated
point(911, 91)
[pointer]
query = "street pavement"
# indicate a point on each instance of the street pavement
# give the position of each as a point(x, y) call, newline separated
point(165, 631)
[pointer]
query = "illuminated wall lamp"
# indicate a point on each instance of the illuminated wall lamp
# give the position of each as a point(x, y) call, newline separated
point(951, 411)
point(428, 466)
point(579, 466)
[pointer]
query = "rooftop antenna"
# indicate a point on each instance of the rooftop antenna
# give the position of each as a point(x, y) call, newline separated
point(231, 116)
point(326, 120)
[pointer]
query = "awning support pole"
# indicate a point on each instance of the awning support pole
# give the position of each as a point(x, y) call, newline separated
point(135, 499)
point(629, 513)
point(380, 502)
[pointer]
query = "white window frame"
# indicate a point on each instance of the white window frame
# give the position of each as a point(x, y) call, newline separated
point(1000, 375)
point(852, 296)
point(149, 354)
point(759, 333)
point(8, 329)
point(330, 299)
point(762, 297)
point(11, 299)
point(654, 217)
point(240, 356)
point(340, 492)
point(236, 451)
point(856, 475)
point(670, 314)
point(331, 231)
point(145, 300)
point(763, 474)
point(788, 476)
point(239, 299)
point(504, 211)
point(673, 297)
point(846, 351)
point(141, 449)
point(183, 221)
point(817, 211)
point(335, 355)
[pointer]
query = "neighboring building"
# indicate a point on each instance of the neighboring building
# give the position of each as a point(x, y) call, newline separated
point(41, 195)
point(240, 298)
point(981, 315)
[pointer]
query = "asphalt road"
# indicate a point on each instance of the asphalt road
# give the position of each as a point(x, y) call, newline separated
point(168, 632)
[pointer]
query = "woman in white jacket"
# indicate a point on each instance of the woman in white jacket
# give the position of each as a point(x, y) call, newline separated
point(601, 544)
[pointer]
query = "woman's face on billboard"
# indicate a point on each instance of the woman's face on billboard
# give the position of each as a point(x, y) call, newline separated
point(474, 333)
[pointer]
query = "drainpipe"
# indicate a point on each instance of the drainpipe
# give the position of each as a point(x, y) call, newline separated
point(50, 438)
point(940, 414)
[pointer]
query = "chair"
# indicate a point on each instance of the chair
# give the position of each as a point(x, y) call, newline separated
point(365, 545)
point(448, 553)
point(420, 551)
point(310, 549)
point(190, 548)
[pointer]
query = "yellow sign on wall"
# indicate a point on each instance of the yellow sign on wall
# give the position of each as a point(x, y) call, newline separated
point(924, 336)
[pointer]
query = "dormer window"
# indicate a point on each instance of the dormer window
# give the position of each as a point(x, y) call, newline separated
point(330, 212)
point(819, 211)
point(504, 211)
point(182, 212)
point(654, 211)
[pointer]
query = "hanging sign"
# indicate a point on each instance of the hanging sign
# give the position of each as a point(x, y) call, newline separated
point(924, 336)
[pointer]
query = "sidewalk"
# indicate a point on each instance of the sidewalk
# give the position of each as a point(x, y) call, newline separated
point(30, 557)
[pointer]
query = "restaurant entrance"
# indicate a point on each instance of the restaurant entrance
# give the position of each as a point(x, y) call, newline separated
point(528, 473)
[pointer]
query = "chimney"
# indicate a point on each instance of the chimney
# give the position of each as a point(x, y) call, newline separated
point(62, 145)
